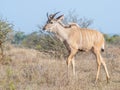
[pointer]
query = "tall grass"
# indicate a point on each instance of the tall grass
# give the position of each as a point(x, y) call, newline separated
point(32, 70)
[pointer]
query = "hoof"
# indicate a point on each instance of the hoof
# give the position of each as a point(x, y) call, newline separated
point(108, 79)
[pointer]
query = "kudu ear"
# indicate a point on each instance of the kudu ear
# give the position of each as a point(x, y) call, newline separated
point(60, 18)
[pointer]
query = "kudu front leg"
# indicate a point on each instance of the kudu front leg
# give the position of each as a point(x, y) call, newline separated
point(71, 60)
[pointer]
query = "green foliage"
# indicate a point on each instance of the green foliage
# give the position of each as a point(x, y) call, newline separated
point(31, 40)
point(50, 44)
point(18, 37)
point(5, 28)
point(107, 37)
point(46, 43)
point(11, 86)
point(114, 39)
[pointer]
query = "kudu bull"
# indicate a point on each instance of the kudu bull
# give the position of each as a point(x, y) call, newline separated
point(76, 38)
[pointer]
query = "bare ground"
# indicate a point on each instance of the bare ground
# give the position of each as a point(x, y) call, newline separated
point(31, 70)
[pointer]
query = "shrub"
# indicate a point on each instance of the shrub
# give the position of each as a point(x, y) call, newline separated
point(5, 29)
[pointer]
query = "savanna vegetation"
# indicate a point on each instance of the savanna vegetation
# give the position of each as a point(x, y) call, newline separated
point(36, 61)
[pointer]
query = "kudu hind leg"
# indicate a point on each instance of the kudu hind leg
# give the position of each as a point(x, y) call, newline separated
point(97, 54)
point(98, 68)
point(73, 65)
point(105, 67)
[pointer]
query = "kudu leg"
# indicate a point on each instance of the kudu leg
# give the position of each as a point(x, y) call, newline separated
point(98, 68)
point(97, 54)
point(71, 60)
point(99, 61)
point(105, 67)
point(73, 65)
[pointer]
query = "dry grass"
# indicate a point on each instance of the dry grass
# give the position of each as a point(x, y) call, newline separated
point(31, 70)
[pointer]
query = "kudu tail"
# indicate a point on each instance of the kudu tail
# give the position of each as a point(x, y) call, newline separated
point(103, 48)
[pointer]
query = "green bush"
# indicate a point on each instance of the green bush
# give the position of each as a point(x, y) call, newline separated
point(46, 43)
point(5, 29)
point(114, 39)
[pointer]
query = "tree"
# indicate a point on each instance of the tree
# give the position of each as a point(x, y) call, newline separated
point(5, 29)
point(73, 17)
point(18, 37)
point(31, 40)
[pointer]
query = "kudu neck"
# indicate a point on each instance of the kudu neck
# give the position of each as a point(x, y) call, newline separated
point(61, 32)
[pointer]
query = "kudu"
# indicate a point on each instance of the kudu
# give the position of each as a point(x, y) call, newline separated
point(76, 38)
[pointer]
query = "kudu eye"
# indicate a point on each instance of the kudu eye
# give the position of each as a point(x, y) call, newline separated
point(51, 22)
